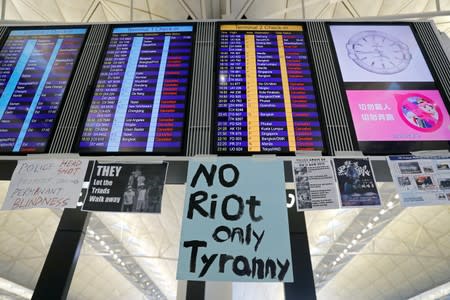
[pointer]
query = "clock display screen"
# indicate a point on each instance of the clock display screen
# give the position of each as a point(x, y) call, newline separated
point(393, 98)
point(379, 53)
point(264, 94)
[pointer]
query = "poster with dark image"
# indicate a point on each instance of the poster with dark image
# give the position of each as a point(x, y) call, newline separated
point(356, 182)
point(121, 187)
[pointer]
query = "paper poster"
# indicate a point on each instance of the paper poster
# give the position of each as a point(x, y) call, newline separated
point(315, 184)
point(46, 183)
point(356, 182)
point(421, 180)
point(235, 225)
point(399, 115)
point(123, 187)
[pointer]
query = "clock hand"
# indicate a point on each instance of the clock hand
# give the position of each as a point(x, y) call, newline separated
point(366, 52)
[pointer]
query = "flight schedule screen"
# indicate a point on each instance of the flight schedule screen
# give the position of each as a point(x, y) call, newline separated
point(35, 67)
point(139, 101)
point(265, 97)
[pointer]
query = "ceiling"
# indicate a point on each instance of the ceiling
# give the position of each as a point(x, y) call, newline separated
point(139, 10)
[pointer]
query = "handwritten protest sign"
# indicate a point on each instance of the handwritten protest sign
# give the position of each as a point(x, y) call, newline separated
point(235, 225)
point(51, 183)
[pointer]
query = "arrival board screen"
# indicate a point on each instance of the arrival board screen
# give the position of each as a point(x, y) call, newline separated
point(140, 96)
point(265, 97)
point(35, 67)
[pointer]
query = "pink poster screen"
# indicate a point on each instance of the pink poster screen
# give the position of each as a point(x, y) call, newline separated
point(399, 115)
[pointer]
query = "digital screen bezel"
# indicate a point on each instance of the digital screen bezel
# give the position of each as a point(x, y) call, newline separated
point(314, 78)
point(89, 96)
point(388, 147)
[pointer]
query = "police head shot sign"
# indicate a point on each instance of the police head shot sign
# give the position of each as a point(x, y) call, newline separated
point(235, 225)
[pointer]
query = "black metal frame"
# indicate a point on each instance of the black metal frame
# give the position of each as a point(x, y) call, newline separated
point(90, 94)
point(387, 147)
point(68, 84)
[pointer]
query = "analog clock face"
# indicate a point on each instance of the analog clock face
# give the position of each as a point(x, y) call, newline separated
point(378, 52)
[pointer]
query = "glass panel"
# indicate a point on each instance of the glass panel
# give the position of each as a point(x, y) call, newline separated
point(131, 256)
point(389, 252)
point(25, 239)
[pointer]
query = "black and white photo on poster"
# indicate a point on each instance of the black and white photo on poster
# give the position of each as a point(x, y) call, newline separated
point(428, 179)
point(444, 182)
point(315, 184)
point(356, 182)
point(126, 187)
point(404, 183)
point(409, 167)
point(443, 166)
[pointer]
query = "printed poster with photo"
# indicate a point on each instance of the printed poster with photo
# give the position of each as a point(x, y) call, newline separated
point(356, 182)
point(421, 180)
point(315, 184)
point(123, 187)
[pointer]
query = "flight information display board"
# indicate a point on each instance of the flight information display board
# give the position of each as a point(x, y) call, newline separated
point(140, 97)
point(265, 97)
point(35, 67)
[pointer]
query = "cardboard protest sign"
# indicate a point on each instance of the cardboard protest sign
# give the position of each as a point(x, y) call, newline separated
point(356, 182)
point(235, 225)
point(50, 183)
point(315, 184)
point(421, 180)
point(123, 187)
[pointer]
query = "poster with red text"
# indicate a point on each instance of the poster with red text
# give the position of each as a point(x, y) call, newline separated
point(49, 183)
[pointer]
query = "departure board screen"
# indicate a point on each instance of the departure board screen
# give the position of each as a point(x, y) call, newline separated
point(140, 97)
point(35, 67)
point(265, 96)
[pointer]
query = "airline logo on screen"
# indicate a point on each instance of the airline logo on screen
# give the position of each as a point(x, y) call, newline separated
point(35, 67)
